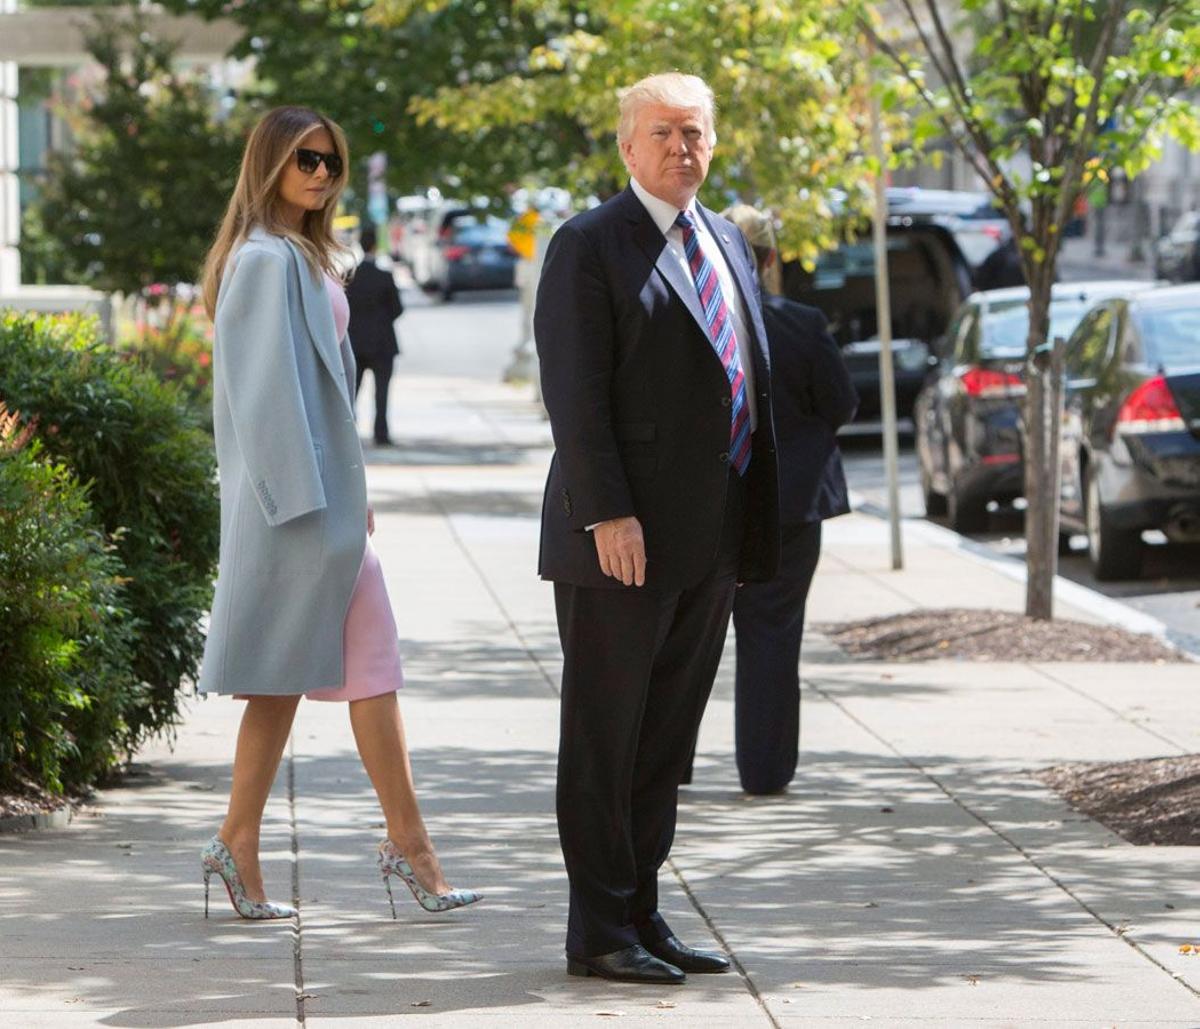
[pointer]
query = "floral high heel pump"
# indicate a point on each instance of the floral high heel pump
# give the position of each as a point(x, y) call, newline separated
point(215, 859)
point(392, 862)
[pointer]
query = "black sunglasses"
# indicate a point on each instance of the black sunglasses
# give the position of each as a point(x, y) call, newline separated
point(308, 161)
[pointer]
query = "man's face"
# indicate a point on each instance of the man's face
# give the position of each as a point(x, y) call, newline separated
point(668, 152)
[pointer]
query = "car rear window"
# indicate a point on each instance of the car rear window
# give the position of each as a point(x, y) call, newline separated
point(1172, 334)
point(1006, 328)
point(477, 235)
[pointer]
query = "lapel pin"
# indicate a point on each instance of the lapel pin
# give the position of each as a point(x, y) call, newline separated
point(725, 238)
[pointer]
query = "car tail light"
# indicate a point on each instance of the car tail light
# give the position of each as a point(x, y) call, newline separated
point(456, 252)
point(993, 231)
point(990, 382)
point(1150, 408)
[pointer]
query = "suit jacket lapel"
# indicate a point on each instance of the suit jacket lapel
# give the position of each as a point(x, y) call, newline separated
point(654, 244)
point(319, 315)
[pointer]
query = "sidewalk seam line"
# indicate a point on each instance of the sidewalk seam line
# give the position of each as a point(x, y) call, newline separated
point(1107, 707)
point(996, 831)
point(487, 585)
point(297, 925)
point(720, 938)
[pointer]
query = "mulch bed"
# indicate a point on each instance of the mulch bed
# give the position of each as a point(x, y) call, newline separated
point(29, 800)
point(1154, 801)
point(971, 634)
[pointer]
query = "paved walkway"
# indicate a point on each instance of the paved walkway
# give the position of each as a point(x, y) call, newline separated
point(915, 875)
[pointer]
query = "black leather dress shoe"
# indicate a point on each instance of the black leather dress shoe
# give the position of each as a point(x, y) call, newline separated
point(672, 951)
point(632, 965)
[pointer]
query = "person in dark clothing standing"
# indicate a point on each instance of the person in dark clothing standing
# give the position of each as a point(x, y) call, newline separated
point(814, 397)
point(374, 307)
point(1001, 268)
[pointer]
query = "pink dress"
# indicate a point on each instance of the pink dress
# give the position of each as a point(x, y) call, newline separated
point(370, 648)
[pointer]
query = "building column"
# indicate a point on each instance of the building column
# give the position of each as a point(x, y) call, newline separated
point(10, 197)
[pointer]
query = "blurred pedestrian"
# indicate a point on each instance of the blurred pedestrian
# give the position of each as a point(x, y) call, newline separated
point(375, 305)
point(661, 496)
point(301, 608)
point(1001, 268)
point(813, 398)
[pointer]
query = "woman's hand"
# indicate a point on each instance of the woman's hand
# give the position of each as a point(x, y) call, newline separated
point(370, 521)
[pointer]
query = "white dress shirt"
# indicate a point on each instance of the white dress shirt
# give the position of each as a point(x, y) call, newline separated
point(664, 215)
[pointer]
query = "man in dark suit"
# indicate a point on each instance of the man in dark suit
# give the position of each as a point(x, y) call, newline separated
point(662, 495)
point(374, 307)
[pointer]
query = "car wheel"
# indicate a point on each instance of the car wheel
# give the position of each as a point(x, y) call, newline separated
point(1112, 553)
point(967, 514)
point(935, 503)
point(447, 294)
point(1064, 544)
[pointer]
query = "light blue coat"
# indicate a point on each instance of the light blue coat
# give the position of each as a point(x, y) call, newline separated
point(293, 488)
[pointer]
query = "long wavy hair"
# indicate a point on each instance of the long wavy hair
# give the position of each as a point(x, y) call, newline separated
point(256, 203)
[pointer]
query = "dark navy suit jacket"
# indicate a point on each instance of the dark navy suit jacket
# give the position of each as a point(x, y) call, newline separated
point(639, 402)
point(814, 397)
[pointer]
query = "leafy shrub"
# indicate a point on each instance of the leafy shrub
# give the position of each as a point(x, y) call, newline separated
point(152, 486)
point(178, 349)
point(65, 640)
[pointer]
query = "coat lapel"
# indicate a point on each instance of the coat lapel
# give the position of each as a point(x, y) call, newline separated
point(319, 315)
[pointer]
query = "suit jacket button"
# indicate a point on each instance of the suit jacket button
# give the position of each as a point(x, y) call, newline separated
point(723, 457)
point(726, 401)
point(566, 503)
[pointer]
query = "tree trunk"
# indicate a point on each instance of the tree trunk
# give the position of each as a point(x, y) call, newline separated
point(1043, 418)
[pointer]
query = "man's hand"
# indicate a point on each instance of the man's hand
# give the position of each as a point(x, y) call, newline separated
point(622, 550)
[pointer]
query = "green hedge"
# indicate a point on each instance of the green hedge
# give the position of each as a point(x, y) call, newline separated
point(65, 638)
point(150, 473)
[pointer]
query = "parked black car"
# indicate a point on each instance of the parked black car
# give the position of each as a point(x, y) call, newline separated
point(472, 252)
point(928, 277)
point(1131, 427)
point(967, 418)
point(1177, 254)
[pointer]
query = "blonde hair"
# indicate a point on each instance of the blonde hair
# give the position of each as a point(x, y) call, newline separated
point(672, 88)
point(255, 200)
point(759, 230)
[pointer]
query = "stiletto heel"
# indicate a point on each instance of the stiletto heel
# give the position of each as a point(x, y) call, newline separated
point(215, 859)
point(391, 900)
point(392, 862)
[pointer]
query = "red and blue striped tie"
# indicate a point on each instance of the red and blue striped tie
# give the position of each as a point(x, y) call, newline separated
point(724, 341)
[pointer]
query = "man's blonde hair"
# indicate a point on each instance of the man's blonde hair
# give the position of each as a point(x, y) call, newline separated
point(672, 88)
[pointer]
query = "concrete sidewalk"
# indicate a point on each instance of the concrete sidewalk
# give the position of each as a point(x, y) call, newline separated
point(916, 874)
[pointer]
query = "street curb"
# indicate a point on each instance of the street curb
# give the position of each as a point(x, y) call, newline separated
point(1105, 608)
point(59, 818)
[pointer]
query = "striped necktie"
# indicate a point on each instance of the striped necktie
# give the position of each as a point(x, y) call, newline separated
point(724, 341)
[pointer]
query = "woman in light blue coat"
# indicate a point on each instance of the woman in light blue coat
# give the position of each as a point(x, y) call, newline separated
point(300, 608)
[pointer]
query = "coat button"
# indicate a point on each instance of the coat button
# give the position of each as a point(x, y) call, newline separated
point(566, 503)
point(726, 401)
point(723, 457)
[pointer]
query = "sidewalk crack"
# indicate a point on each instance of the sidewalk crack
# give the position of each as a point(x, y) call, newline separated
point(962, 805)
point(738, 967)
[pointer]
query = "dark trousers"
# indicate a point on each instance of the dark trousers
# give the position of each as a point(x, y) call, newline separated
point(381, 371)
point(768, 618)
point(638, 668)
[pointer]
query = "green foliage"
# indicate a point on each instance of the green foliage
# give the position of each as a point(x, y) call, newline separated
point(137, 198)
point(787, 77)
point(152, 487)
point(174, 341)
point(65, 637)
point(1078, 87)
point(362, 72)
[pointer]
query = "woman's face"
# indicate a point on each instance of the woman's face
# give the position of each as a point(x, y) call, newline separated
point(301, 191)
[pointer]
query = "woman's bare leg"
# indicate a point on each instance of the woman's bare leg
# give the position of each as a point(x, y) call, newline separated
point(379, 734)
point(266, 723)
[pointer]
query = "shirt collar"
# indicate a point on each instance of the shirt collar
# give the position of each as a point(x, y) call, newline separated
point(663, 213)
